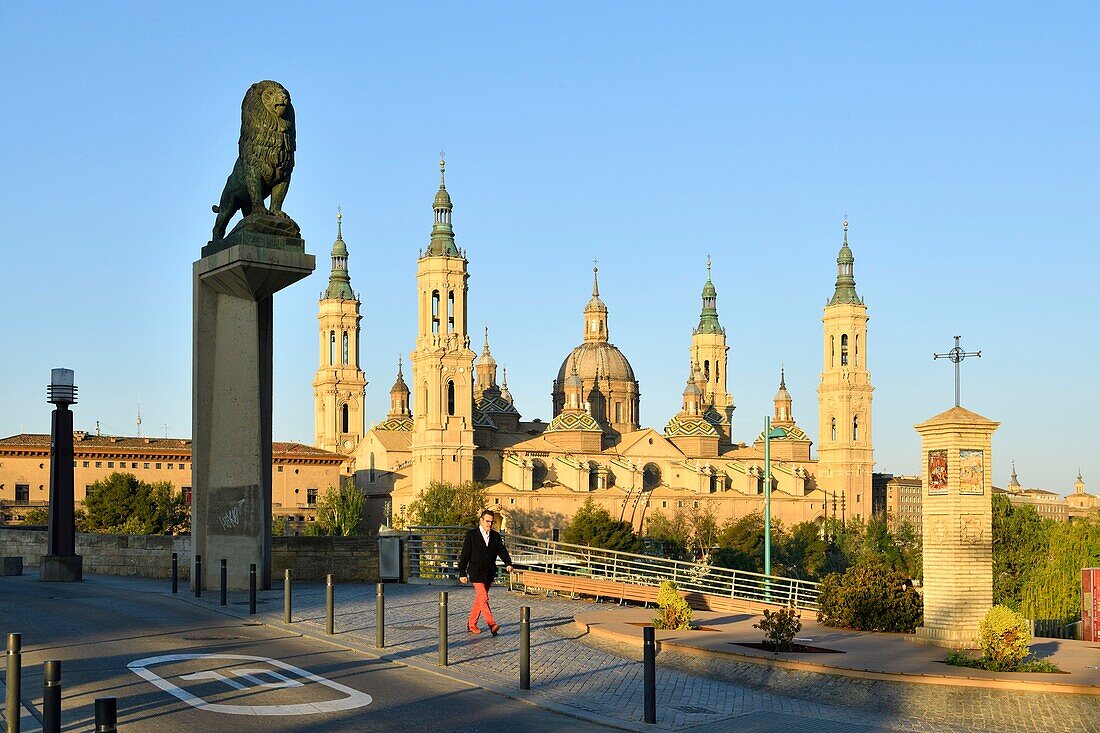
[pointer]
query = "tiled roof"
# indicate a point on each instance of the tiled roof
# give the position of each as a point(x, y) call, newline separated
point(84, 441)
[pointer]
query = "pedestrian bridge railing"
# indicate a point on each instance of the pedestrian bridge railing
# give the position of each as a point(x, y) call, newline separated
point(433, 554)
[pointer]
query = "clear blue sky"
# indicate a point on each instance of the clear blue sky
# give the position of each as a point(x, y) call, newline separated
point(962, 143)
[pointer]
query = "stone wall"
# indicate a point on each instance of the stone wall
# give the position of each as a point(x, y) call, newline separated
point(150, 556)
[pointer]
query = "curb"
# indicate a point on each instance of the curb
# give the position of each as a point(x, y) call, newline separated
point(865, 674)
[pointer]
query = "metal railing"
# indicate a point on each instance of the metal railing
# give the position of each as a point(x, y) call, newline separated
point(433, 553)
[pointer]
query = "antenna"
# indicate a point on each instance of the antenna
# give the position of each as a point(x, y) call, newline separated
point(139, 415)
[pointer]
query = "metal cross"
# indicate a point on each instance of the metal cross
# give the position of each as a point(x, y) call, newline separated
point(956, 355)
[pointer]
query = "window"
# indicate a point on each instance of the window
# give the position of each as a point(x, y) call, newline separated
point(345, 348)
point(435, 311)
point(855, 428)
point(187, 495)
point(133, 464)
point(158, 466)
point(706, 369)
point(832, 351)
point(170, 466)
point(311, 496)
point(834, 429)
point(450, 397)
point(344, 418)
point(181, 466)
point(110, 464)
point(618, 412)
point(99, 464)
point(331, 347)
point(593, 476)
point(22, 492)
point(481, 468)
point(85, 464)
point(857, 350)
point(145, 465)
point(844, 349)
point(538, 473)
point(651, 476)
point(451, 311)
point(279, 469)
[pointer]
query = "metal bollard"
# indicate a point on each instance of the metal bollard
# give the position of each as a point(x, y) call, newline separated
point(51, 697)
point(224, 581)
point(252, 588)
point(106, 715)
point(330, 606)
point(198, 576)
point(13, 682)
point(380, 617)
point(286, 596)
point(175, 572)
point(525, 648)
point(443, 628)
point(649, 659)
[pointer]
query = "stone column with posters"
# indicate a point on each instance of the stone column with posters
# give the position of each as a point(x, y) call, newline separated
point(957, 517)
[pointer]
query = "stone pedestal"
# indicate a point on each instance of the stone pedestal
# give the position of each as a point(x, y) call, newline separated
point(231, 401)
point(957, 517)
point(61, 568)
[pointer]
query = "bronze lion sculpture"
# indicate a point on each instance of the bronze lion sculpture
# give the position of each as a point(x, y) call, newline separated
point(265, 160)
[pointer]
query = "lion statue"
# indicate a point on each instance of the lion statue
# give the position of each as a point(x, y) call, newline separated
point(265, 160)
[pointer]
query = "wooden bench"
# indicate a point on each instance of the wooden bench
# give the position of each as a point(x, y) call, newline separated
point(583, 585)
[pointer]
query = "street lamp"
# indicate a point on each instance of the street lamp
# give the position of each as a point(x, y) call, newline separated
point(61, 563)
point(769, 433)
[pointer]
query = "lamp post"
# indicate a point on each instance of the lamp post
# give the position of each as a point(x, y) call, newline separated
point(61, 563)
point(769, 433)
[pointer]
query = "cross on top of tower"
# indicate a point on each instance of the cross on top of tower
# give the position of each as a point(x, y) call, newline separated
point(957, 355)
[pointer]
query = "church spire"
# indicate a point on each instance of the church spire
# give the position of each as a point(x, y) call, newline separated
point(845, 291)
point(782, 402)
point(339, 281)
point(708, 317)
point(595, 313)
point(443, 236)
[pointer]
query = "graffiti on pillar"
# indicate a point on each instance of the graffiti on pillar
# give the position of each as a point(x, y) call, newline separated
point(236, 511)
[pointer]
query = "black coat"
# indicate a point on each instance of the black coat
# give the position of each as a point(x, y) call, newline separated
point(478, 560)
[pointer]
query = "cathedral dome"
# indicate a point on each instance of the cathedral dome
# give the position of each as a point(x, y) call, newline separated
point(596, 358)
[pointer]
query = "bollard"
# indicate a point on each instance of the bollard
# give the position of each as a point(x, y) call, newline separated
point(106, 715)
point(286, 596)
point(380, 617)
point(330, 606)
point(525, 648)
point(175, 572)
point(13, 682)
point(252, 588)
point(649, 657)
point(51, 697)
point(223, 581)
point(198, 576)
point(443, 628)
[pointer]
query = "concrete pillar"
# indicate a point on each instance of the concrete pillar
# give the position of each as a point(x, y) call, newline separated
point(231, 400)
point(957, 526)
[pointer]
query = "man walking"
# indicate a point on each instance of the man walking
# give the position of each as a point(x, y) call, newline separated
point(478, 564)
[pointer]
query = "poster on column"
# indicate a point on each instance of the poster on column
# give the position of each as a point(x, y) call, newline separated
point(971, 472)
point(937, 472)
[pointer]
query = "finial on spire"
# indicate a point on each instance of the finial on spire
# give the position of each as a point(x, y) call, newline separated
point(486, 338)
point(845, 227)
point(442, 169)
point(339, 223)
point(595, 279)
point(504, 382)
point(708, 267)
point(399, 374)
point(782, 377)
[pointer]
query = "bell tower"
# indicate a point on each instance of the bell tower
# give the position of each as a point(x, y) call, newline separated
point(709, 353)
point(442, 363)
point(845, 454)
point(339, 385)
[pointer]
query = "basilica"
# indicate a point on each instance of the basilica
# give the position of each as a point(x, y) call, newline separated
point(454, 420)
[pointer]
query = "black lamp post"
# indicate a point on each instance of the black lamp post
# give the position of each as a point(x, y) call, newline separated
point(61, 563)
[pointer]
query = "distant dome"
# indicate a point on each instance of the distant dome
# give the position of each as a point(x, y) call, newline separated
point(594, 359)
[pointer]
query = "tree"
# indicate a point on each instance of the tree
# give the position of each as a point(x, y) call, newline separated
point(340, 511)
point(122, 504)
point(672, 533)
point(594, 526)
point(448, 505)
point(1020, 542)
point(37, 515)
point(741, 543)
point(801, 553)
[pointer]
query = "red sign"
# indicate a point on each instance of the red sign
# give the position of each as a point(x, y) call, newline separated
point(1090, 604)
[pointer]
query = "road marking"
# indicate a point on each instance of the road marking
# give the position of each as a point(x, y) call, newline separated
point(353, 698)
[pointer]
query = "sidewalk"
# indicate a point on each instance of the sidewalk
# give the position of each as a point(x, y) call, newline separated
point(579, 674)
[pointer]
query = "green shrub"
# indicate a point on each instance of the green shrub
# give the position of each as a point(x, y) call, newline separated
point(780, 628)
point(959, 659)
point(1004, 636)
point(869, 597)
point(673, 612)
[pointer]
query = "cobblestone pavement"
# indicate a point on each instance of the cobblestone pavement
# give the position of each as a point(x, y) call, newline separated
point(600, 680)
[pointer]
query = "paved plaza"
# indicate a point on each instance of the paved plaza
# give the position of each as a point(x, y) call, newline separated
point(600, 679)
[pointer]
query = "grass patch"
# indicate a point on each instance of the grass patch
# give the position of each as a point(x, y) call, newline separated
point(959, 659)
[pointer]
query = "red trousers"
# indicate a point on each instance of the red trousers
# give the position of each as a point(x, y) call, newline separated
point(481, 606)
